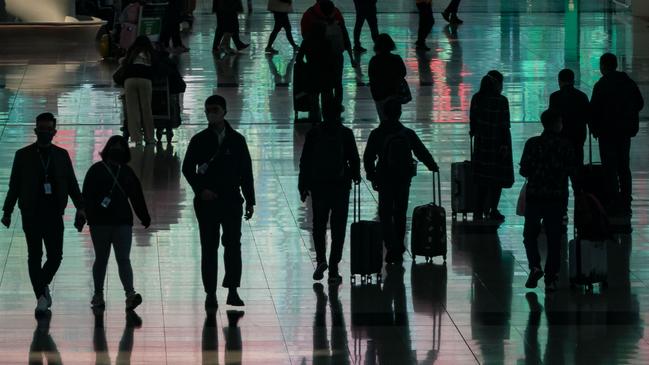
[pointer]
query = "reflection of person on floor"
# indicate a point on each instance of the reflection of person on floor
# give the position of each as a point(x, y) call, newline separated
point(547, 162)
point(232, 334)
point(218, 167)
point(43, 346)
point(454, 66)
point(42, 178)
point(325, 351)
point(100, 344)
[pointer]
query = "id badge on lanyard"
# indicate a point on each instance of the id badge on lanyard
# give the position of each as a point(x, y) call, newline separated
point(47, 187)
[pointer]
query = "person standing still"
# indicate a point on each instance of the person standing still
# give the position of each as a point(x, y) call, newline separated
point(218, 167)
point(328, 165)
point(615, 105)
point(547, 162)
point(140, 68)
point(42, 178)
point(393, 144)
point(109, 190)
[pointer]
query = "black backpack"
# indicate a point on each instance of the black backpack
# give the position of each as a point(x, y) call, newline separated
point(396, 157)
point(329, 163)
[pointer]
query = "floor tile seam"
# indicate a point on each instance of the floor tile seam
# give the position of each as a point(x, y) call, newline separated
point(270, 292)
point(162, 304)
point(6, 261)
point(457, 328)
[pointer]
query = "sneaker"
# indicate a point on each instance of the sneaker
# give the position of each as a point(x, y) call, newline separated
point(271, 50)
point(335, 279)
point(133, 300)
point(318, 274)
point(243, 46)
point(534, 278)
point(98, 301)
point(41, 305)
point(48, 296)
point(234, 299)
point(211, 302)
point(359, 49)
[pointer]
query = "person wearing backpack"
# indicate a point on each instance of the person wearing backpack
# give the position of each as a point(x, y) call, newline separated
point(328, 165)
point(615, 104)
point(393, 144)
point(547, 162)
point(109, 189)
point(324, 12)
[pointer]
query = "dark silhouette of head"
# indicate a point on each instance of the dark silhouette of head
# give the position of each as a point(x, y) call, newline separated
point(392, 110)
point(327, 7)
point(566, 77)
point(607, 63)
point(491, 83)
point(45, 129)
point(116, 149)
point(46, 118)
point(142, 44)
point(551, 120)
point(331, 111)
point(384, 44)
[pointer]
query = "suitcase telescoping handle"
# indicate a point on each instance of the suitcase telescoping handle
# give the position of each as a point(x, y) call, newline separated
point(437, 189)
point(357, 202)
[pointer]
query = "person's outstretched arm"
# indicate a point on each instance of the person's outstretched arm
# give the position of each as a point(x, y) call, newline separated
point(422, 153)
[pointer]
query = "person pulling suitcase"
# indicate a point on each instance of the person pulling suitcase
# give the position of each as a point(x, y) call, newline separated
point(393, 144)
point(328, 165)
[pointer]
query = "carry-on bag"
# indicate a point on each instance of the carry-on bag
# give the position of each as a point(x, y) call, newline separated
point(366, 249)
point(587, 262)
point(462, 189)
point(428, 236)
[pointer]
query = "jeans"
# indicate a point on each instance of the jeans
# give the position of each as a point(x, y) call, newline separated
point(365, 10)
point(334, 201)
point(43, 230)
point(120, 237)
point(615, 160)
point(426, 22)
point(393, 207)
point(212, 216)
point(281, 21)
point(550, 214)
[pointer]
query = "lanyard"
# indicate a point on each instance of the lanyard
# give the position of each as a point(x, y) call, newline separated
point(115, 178)
point(45, 165)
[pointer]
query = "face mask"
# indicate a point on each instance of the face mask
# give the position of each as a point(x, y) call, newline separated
point(117, 155)
point(44, 138)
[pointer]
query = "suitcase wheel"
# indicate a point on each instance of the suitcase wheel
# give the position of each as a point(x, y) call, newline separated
point(428, 259)
point(444, 256)
point(379, 278)
point(352, 279)
point(589, 287)
point(454, 216)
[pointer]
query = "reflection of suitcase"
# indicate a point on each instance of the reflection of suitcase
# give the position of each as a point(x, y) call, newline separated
point(428, 236)
point(462, 189)
point(302, 99)
point(366, 252)
point(588, 262)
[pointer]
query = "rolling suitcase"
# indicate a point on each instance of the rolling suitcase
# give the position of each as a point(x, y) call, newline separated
point(366, 244)
point(302, 99)
point(588, 262)
point(462, 188)
point(592, 176)
point(428, 237)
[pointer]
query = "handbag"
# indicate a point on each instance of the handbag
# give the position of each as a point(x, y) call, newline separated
point(520, 204)
point(403, 94)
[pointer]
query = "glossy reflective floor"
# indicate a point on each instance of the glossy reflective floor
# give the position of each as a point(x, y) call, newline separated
point(474, 309)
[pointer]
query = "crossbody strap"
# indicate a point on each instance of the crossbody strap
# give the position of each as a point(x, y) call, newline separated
point(115, 179)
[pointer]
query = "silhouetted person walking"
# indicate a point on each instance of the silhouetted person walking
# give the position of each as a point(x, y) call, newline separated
point(218, 167)
point(386, 72)
point(42, 178)
point(227, 21)
point(426, 22)
point(393, 144)
point(493, 166)
point(109, 190)
point(450, 13)
point(615, 105)
point(171, 27)
point(547, 162)
point(280, 10)
point(365, 11)
point(328, 165)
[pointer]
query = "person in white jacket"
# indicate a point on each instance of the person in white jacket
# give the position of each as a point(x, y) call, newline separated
point(280, 10)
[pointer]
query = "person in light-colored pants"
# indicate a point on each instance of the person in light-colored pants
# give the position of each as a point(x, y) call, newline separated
point(138, 93)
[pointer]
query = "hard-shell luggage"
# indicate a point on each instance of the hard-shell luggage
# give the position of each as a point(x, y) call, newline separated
point(592, 176)
point(588, 262)
point(428, 237)
point(366, 251)
point(462, 189)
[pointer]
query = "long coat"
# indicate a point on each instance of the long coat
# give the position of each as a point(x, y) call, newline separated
point(490, 126)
